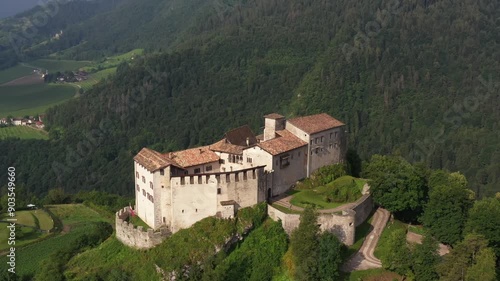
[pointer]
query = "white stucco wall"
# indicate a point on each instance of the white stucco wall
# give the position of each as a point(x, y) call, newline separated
point(144, 207)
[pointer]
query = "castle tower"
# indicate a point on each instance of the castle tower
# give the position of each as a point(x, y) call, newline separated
point(273, 122)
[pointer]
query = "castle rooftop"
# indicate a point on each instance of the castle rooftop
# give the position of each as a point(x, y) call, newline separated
point(193, 156)
point(315, 123)
point(284, 141)
point(153, 160)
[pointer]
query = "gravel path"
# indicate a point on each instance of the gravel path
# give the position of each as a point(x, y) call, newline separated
point(364, 258)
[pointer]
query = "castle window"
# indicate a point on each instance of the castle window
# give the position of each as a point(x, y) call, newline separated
point(219, 191)
point(162, 186)
point(197, 170)
point(164, 220)
point(151, 184)
point(162, 172)
point(299, 153)
point(311, 142)
point(336, 145)
point(137, 174)
point(138, 188)
point(228, 179)
point(143, 179)
point(336, 134)
point(236, 177)
point(208, 168)
point(183, 211)
point(144, 192)
point(331, 135)
point(152, 199)
point(322, 138)
point(331, 146)
point(249, 160)
point(285, 161)
point(196, 210)
point(222, 161)
point(316, 140)
point(317, 150)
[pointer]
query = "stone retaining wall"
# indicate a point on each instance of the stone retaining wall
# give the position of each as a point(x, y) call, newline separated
point(137, 237)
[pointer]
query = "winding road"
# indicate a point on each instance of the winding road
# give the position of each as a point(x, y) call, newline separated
point(364, 258)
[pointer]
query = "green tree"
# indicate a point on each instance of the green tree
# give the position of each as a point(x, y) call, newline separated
point(464, 256)
point(396, 185)
point(484, 219)
point(398, 255)
point(304, 244)
point(483, 268)
point(425, 259)
point(329, 257)
point(56, 196)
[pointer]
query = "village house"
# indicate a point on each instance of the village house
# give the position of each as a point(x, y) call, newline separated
point(177, 189)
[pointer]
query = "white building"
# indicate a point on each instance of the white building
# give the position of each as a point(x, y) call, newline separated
point(177, 189)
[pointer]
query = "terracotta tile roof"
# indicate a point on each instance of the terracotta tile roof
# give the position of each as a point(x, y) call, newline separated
point(315, 123)
point(285, 141)
point(152, 160)
point(192, 157)
point(239, 136)
point(274, 116)
point(223, 146)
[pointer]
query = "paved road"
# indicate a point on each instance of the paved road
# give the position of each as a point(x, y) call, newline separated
point(364, 258)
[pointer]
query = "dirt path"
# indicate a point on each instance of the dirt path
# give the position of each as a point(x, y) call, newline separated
point(364, 258)
point(413, 237)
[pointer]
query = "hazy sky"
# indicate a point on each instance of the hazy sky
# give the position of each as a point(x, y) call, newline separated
point(12, 7)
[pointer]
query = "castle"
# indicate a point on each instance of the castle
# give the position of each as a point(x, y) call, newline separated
point(176, 189)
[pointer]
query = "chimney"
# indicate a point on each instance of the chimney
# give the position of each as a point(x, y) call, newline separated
point(248, 141)
point(273, 122)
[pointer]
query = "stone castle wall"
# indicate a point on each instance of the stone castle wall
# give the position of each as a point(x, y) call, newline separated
point(136, 237)
point(343, 225)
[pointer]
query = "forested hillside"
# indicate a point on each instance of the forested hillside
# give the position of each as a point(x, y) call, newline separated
point(403, 76)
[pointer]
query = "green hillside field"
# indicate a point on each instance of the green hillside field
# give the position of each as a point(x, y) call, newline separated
point(22, 132)
point(32, 99)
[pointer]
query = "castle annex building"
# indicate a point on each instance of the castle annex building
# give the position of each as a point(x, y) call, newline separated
point(176, 189)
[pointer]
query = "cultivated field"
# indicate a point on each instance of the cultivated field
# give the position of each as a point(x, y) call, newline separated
point(22, 132)
point(33, 222)
point(32, 99)
point(94, 78)
point(76, 219)
point(15, 72)
point(59, 65)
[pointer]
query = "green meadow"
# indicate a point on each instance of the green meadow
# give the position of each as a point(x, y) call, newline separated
point(25, 100)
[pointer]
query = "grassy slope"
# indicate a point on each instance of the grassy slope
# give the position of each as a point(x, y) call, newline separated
point(30, 234)
point(75, 217)
point(32, 99)
point(59, 65)
point(22, 132)
point(15, 72)
point(316, 195)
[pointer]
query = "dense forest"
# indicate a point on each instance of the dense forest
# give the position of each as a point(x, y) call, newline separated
point(412, 78)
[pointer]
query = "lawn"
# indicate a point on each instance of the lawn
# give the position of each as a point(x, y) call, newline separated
point(71, 214)
point(14, 72)
point(25, 100)
point(340, 189)
point(285, 210)
point(136, 221)
point(377, 274)
point(22, 132)
point(59, 65)
point(383, 243)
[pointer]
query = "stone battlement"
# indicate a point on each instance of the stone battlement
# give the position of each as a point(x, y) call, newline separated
point(222, 177)
point(137, 237)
